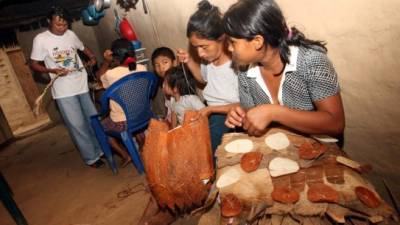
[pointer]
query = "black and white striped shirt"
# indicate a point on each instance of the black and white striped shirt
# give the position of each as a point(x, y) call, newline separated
point(309, 77)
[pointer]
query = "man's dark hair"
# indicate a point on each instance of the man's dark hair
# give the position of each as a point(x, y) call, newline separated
point(60, 12)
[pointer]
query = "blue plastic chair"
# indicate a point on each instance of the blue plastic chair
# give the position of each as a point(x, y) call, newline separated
point(133, 93)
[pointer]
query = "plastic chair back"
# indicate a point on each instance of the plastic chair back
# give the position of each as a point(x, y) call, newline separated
point(133, 93)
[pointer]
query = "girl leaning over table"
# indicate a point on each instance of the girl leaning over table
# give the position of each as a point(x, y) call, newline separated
point(290, 79)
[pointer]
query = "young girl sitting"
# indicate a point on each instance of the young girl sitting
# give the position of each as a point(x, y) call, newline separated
point(118, 63)
point(180, 84)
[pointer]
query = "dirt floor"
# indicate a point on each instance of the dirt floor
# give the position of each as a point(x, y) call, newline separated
point(52, 186)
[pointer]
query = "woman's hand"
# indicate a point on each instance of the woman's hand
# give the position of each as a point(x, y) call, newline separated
point(182, 56)
point(257, 119)
point(235, 117)
point(206, 111)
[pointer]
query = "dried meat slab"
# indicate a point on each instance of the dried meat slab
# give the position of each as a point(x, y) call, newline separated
point(230, 206)
point(250, 161)
point(367, 197)
point(322, 193)
point(311, 150)
point(285, 195)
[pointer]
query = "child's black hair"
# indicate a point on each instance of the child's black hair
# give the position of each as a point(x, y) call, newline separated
point(123, 49)
point(206, 22)
point(60, 12)
point(175, 78)
point(162, 51)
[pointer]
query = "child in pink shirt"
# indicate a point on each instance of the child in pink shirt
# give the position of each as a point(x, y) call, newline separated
point(118, 62)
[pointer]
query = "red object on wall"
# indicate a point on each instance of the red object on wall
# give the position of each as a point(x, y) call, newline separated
point(127, 31)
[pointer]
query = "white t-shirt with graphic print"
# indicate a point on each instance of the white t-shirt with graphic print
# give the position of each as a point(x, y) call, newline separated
point(60, 51)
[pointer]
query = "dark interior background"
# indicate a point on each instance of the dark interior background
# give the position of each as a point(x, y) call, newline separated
point(25, 15)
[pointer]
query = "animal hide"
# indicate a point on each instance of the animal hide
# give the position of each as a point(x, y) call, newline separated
point(179, 163)
point(321, 186)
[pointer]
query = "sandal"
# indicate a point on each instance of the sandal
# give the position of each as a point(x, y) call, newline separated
point(98, 164)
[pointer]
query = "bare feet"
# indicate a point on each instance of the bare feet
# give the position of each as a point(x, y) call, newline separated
point(120, 149)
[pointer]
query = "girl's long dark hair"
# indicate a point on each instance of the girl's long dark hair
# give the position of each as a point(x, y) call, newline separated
point(248, 18)
point(123, 49)
point(175, 78)
point(206, 22)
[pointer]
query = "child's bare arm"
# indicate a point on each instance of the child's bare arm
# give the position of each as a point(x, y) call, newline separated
point(174, 120)
point(105, 65)
point(89, 53)
point(222, 109)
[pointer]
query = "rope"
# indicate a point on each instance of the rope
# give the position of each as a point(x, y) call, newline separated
point(187, 80)
point(37, 109)
point(39, 100)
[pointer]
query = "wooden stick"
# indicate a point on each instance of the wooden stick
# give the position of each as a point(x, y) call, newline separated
point(392, 197)
point(354, 165)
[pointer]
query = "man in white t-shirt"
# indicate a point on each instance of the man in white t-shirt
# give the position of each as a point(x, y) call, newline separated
point(57, 48)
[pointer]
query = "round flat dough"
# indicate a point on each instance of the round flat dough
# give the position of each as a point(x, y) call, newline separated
point(277, 141)
point(239, 146)
point(230, 176)
point(281, 166)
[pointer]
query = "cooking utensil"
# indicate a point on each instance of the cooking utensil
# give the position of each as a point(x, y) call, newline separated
point(126, 30)
point(88, 19)
point(100, 5)
point(94, 13)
